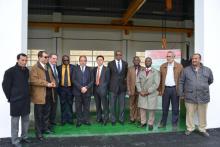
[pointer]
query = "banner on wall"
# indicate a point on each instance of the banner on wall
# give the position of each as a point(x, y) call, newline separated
point(159, 56)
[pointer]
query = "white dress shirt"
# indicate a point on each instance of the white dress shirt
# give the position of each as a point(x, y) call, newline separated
point(170, 81)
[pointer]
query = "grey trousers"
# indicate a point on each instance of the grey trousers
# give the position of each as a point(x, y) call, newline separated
point(15, 128)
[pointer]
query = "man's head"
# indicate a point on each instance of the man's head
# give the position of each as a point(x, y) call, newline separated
point(170, 56)
point(22, 59)
point(148, 62)
point(65, 60)
point(118, 55)
point(99, 60)
point(136, 61)
point(43, 57)
point(82, 60)
point(196, 59)
point(53, 59)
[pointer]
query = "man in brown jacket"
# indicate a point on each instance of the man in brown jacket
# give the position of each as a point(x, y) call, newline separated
point(133, 72)
point(170, 74)
point(42, 84)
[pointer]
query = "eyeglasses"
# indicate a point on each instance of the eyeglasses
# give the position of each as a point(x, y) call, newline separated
point(65, 60)
point(46, 57)
point(169, 56)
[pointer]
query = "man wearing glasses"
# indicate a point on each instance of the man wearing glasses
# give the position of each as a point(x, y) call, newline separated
point(42, 84)
point(118, 86)
point(170, 75)
point(65, 71)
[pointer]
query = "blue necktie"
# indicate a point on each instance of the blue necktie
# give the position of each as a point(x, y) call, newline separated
point(119, 68)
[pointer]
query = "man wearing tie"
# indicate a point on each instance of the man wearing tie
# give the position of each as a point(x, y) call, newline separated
point(82, 90)
point(147, 84)
point(65, 72)
point(133, 72)
point(53, 102)
point(101, 78)
point(118, 86)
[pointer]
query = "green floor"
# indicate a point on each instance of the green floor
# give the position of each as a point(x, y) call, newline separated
point(98, 129)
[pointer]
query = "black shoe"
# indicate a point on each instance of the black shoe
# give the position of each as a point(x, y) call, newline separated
point(63, 123)
point(17, 144)
point(161, 125)
point(121, 122)
point(78, 124)
point(142, 126)
point(105, 123)
point(150, 127)
point(113, 123)
point(87, 123)
point(70, 122)
point(25, 140)
point(205, 134)
point(40, 138)
point(47, 132)
point(187, 132)
point(132, 122)
point(100, 121)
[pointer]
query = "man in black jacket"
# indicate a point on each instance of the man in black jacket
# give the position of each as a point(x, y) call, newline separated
point(118, 86)
point(16, 88)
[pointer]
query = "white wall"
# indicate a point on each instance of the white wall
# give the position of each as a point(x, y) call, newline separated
point(207, 32)
point(13, 30)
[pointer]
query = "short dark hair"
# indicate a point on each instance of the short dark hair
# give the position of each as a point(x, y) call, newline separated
point(21, 54)
point(117, 52)
point(100, 56)
point(51, 54)
point(198, 54)
point(40, 53)
point(136, 57)
point(82, 56)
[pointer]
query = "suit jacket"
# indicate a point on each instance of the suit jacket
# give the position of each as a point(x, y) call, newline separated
point(104, 79)
point(38, 83)
point(59, 69)
point(149, 84)
point(163, 72)
point(57, 80)
point(131, 79)
point(79, 80)
point(118, 80)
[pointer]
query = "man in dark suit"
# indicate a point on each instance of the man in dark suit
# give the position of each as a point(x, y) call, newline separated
point(82, 86)
point(101, 78)
point(16, 88)
point(53, 102)
point(65, 72)
point(118, 86)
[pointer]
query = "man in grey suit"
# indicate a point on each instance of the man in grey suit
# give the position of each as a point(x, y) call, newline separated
point(118, 86)
point(147, 83)
point(101, 78)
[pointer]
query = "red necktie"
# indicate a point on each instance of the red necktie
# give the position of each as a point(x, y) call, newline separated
point(98, 76)
point(147, 72)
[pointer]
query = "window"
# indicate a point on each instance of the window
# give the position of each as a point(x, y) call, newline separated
point(91, 56)
point(142, 57)
point(32, 56)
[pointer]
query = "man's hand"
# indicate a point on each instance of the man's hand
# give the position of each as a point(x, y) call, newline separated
point(83, 90)
point(142, 93)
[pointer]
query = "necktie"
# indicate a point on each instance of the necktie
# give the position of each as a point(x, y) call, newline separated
point(66, 77)
point(55, 73)
point(119, 68)
point(98, 76)
point(147, 72)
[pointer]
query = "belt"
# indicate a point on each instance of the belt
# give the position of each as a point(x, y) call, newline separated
point(170, 86)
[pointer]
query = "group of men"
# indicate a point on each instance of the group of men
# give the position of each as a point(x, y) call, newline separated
point(109, 85)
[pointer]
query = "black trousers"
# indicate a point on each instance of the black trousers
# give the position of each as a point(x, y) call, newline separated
point(82, 104)
point(41, 116)
point(53, 109)
point(170, 95)
point(101, 103)
point(66, 104)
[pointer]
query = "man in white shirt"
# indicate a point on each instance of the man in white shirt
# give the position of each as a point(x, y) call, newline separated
point(170, 74)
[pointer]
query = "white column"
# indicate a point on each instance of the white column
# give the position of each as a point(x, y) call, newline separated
point(207, 22)
point(13, 36)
